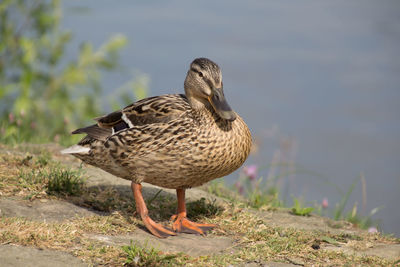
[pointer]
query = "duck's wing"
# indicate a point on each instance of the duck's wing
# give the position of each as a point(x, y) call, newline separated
point(94, 132)
point(158, 109)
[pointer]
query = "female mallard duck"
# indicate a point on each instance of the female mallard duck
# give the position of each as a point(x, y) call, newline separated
point(172, 141)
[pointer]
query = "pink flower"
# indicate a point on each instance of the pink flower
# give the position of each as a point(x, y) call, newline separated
point(11, 118)
point(325, 203)
point(251, 171)
point(33, 125)
point(372, 230)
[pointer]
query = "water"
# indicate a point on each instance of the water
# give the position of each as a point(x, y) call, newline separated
point(326, 74)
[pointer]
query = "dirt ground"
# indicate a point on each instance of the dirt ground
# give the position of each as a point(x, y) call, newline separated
point(62, 210)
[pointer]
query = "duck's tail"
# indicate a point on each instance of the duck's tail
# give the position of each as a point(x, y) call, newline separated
point(76, 149)
point(94, 133)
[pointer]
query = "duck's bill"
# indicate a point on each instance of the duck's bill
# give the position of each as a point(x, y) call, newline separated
point(220, 105)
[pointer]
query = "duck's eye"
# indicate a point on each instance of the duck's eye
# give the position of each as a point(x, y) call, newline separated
point(197, 71)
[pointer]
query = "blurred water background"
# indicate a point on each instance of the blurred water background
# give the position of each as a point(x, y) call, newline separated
point(317, 82)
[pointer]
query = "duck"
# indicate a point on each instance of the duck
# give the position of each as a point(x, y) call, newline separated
point(175, 141)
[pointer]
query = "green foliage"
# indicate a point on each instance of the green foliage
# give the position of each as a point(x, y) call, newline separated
point(43, 95)
point(342, 204)
point(66, 182)
point(353, 216)
point(330, 240)
point(258, 192)
point(220, 189)
point(268, 197)
point(56, 180)
point(298, 208)
point(202, 208)
point(144, 256)
point(362, 221)
point(150, 201)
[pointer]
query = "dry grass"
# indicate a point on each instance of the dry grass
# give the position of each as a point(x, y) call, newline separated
point(257, 241)
point(261, 244)
point(71, 236)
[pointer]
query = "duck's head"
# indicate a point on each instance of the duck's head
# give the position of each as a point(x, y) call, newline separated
point(204, 87)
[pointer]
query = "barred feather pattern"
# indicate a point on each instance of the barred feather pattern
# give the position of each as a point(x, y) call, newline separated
point(186, 148)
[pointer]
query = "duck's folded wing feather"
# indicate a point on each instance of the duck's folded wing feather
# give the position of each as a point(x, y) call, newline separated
point(146, 111)
point(95, 132)
point(159, 109)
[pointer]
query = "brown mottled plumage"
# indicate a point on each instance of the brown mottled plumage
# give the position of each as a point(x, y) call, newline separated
point(173, 141)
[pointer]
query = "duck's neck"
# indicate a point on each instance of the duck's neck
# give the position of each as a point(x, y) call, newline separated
point(198, 104)
point(206, 114)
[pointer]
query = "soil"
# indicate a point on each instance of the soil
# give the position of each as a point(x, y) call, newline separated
point(194, 245)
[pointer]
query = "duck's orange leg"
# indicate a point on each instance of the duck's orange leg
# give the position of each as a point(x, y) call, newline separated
point(155, 228)
point(182, 224)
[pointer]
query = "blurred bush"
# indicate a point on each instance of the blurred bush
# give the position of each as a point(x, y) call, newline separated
point(43, 95)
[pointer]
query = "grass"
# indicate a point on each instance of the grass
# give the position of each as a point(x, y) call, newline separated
point(61, 181)
point(260, 193)
point(202, 208)
point(257, 240)
point(342, 204)
point(299, 210)
point(147, 256)
point(38, 175)
point(55, 180)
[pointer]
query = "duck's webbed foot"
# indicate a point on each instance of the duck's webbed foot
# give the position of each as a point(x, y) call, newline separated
point(154, 228)
point(181, 224)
